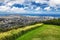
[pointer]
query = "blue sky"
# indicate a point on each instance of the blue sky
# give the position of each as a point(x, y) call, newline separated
point(30, 6)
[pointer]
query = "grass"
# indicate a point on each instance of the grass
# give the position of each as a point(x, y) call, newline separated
point(14, 33)
point(46, 32)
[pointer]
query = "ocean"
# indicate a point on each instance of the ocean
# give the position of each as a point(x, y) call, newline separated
point(52, 15)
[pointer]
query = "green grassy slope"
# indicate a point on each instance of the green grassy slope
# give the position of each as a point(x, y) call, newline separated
point(46, 32)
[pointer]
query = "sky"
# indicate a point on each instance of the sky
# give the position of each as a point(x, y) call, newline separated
point(30, 6)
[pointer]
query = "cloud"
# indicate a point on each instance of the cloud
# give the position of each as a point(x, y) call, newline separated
point(29, 5)
point(10, 3)
point(38, 9)
point(41, 1)
point(47, 8)
point(18, 10)
point(4, 8)
point(54, 3)
point(2, 0)
point(13, 10)
point(20, 1)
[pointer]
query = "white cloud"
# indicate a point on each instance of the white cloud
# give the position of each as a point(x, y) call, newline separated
point(18, 10)
point(13, 10)
point(53, 3)
point(20, 1)
point(38, 9)
point(47, 8)
point(9, 3)
point(4, 8)
point(41, 1)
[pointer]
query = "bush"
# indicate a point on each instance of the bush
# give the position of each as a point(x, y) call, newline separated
point(54, 22)
point(13, 34)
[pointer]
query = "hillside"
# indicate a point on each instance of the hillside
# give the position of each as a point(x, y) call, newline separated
point(45, 32)
point(29, 28)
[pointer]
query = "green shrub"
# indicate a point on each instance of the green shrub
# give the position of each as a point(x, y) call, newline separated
point(54, 22)
point(13, 34)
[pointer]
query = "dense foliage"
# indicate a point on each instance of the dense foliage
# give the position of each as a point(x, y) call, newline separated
point(54, 22)
point(13, 34)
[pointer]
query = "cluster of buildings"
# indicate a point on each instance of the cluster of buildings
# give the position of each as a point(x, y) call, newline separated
point(13, 21)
